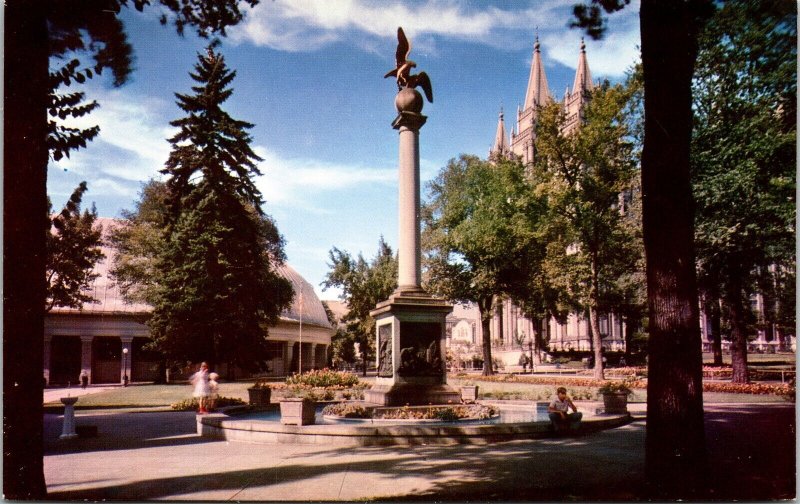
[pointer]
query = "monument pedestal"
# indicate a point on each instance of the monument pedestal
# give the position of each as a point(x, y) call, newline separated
point(412, 369)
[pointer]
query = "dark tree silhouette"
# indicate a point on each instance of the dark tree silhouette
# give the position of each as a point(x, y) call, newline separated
point(35, 32)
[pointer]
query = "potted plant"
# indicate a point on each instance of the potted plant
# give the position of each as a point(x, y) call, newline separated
point(298, 408)
point(615, 396)
point(260, 394)
point(469, 392)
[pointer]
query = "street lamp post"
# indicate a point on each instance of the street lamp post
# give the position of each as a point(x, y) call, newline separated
point(125, 367)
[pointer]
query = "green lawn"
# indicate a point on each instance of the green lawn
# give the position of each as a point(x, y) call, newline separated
point(165, 395)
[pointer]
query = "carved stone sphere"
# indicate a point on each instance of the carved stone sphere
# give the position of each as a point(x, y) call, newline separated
point(408, 100)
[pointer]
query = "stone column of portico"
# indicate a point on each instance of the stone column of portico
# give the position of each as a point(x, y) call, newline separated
point(86, 356)
point(408, 123)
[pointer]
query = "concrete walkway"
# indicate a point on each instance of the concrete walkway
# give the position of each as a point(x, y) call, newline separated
point(54, 394)
point(146, 456)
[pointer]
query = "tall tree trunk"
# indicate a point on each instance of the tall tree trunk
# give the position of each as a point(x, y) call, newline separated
point(712, 311)
point(24, 231)
point(597, 341)
point(485, 309)
point(734, 303)
point(675, 440)
point(631, 322)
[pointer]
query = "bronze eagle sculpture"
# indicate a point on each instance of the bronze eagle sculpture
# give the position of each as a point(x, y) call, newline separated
point(404, 65)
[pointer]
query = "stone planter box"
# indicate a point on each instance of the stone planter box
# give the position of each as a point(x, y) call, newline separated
point(615, 402)
point(296, 411)
point(259, 397)
point(469, 393)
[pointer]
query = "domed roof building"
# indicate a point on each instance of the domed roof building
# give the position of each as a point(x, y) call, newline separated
point(105, 340)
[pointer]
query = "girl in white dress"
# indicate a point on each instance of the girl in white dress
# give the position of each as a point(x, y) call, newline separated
point(201, 388)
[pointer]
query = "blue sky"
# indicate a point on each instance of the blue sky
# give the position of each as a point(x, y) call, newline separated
point(309, 76)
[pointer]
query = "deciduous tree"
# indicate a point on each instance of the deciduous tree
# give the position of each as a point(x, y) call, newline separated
point(73, 250)
point(364, 284)
point(479, 236)
point(744, 159)
point(583, 174)
point(675, 444)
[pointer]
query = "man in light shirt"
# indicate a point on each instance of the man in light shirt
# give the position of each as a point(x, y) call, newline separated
point(559, 412)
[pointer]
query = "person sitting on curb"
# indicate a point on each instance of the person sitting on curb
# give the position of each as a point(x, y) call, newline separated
point(559, 416)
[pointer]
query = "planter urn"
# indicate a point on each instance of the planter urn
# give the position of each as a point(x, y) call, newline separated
point(469, 393)
point(615, 402)
point(297, 411)
point(259, 397)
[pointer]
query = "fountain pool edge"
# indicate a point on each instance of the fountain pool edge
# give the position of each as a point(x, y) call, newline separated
point(220, 426)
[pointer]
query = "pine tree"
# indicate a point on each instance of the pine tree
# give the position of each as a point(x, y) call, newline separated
point(216, 290)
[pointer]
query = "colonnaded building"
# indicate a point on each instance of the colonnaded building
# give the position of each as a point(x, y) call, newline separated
point(105, 339)
point(511, 331)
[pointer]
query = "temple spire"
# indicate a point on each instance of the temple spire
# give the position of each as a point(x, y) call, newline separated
point(583, 77)
point(538, 90)
point(501, 147)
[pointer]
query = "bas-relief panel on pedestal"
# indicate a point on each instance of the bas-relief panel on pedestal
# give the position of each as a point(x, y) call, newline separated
point(385, 368)
point(419, 349)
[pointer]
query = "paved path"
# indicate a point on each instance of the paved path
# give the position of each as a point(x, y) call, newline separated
point(145, 456)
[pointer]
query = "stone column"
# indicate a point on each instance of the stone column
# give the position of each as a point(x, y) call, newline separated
point(408, 123)
point(314, 360)
point(86, 356)
point(48, 342)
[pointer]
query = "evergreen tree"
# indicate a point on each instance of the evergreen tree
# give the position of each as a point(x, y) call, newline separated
point(583, 174)
point(73, 250)
point(364, 284)
point(744, 161)
point(216, 288)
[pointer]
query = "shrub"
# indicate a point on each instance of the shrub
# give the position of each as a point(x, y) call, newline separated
point(347, 410)
point(324, 378)
point(192, 403)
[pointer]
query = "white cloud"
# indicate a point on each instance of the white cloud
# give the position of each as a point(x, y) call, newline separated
point(296, 182)
point(609, 57)
point(306, 25)
point(131, 144)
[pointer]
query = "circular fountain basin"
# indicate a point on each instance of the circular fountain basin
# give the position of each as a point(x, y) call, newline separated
point(517, 420)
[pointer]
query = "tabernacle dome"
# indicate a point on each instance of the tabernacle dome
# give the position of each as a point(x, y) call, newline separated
point(105, 339)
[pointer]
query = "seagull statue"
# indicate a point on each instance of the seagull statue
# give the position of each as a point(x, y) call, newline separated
point(404, 66)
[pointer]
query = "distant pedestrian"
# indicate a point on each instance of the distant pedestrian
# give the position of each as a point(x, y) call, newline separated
point(622, 362)
point(201, 388)
point(213, 391)
point(84, 379)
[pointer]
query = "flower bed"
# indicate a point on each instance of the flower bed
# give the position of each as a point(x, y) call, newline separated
point(192, 404)
point(449, 413)
point(739, 388)
point(324, 378)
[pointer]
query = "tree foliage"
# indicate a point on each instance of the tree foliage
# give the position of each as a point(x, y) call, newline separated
point(34, 33)
point(744, 160)
point(364, 284)
point(675, 444)
point(198, 248)
point(479, 236)
point(73, 250)
point(584, 175)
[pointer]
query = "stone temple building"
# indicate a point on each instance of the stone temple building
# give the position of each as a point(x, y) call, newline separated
point(105, 339)
point(511, 331)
